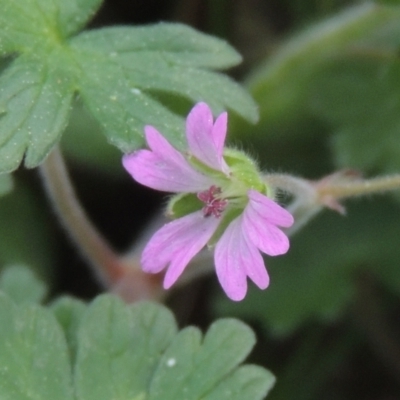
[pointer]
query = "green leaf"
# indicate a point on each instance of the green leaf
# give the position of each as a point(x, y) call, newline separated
point(119, 106)
point(37, 100)
point(120, 73)
point(69, 313)
point(21, 285)
point(74, 14)
point(27, 26)
point(126, 65)
point(6, 184)
point(119, 348)
point(172, 58)
point(33, 352)
point(176, 44)
point(318, 278)
point(135, 352)
point(246, 382)
point(122, 352)
point(191, 368)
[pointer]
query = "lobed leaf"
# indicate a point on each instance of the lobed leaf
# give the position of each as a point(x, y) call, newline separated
point(119, 348)
point(176, 44)
point(30, 368)
point(69, 313)
point(126, 65)
point(36, 100)
point(21, 285)
point(119, 351)
point(73, 15)
point(34, 24)
point(120, 73)
point(119, 106)
point(246, 382)
point(135, 352)
point(154, 73)
point(27, 26)
point(191, 369)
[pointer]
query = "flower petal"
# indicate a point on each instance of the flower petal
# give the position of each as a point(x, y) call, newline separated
point(262, 233)
point(269, 210)
point(206, 141)
point(219, 132)
point(160, 146)
point(235, 258)
point(164, 168)
point(176, 243)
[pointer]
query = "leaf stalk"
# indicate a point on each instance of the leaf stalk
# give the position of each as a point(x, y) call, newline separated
point(105, 262)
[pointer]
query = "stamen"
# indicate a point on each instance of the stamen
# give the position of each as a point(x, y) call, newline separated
point(213, 205)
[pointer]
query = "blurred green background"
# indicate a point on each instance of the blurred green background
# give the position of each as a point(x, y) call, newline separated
point(326, 76)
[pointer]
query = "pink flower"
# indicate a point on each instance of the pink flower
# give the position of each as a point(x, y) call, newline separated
point(230, 192)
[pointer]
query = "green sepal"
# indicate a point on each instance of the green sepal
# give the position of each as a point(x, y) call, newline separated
point(219, 178)
point(245, 170)
point(183, 204)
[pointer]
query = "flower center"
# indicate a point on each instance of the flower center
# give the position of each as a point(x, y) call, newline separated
point(213, 204)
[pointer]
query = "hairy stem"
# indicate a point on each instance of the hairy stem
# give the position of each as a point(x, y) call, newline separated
point(341, 190)
point(310, 197)
point(105, 262)
point(305, 204)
